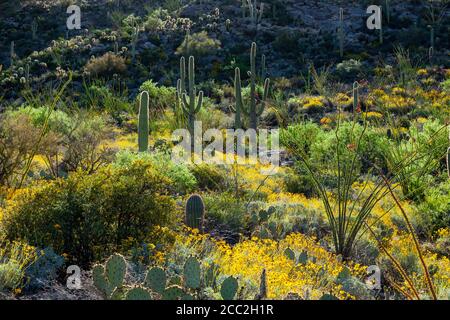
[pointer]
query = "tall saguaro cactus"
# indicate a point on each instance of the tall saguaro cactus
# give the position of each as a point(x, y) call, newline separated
point(143, 125)
point(253, 110)
point(12, 52)
point(190, 104)
point(355, 96)
point(341, 32)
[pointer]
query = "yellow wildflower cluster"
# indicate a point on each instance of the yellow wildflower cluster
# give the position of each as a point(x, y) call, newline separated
point(247, 259)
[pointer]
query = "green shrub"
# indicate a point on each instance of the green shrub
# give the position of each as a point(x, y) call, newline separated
point(90, 216)
point(209, 177)
point(199, 44)
point(161, 97)
point(106, 66)
point(183, 181)
point(434, 211)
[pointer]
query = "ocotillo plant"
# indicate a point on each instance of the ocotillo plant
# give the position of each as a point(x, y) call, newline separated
point(190, 104)
point(341, 32)
point(143, 125)
point(195, 212)
point(253, 111)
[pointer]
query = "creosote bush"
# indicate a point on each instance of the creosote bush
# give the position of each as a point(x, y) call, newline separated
point(89, 216)
point(106, 66)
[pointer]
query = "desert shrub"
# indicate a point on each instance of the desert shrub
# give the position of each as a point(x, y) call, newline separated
point(348, 70)
point(428, 144)
point(183, 181)
point(161, 97)
point(100, 97)
point(198, 44)
point(15, 257)
point(209, 177)
point(106, 66)
point(225, 211)
point(434, 211)
point(18, 139)
point(43, 269)
point(84, 148)
point(88, 216)
point(299, 183)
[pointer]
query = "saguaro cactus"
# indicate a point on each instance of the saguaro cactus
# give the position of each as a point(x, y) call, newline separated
point(34, 27)
point(255, 13)
point(195, 212)
point(341, 32)
point(190, 104)
point(355, 96)
point(12, 52)
point(252, 110)
point(143, 125)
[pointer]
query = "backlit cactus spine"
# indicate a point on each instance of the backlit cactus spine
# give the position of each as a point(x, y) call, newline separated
point(195, 212)
point(143, 125)
point(190, 104)
point(253, 111)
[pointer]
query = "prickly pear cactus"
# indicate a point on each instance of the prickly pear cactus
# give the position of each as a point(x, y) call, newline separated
point(115, 270)
point(303, 258)
point(229, 288)
point(192, 273)
point(173, 293)
point(111, 276)
point(156, 279)
point(195, 212)
point(138, 293)
point(289, 254)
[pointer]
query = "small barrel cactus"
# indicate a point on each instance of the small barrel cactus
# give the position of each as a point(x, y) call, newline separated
point(195, 212)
